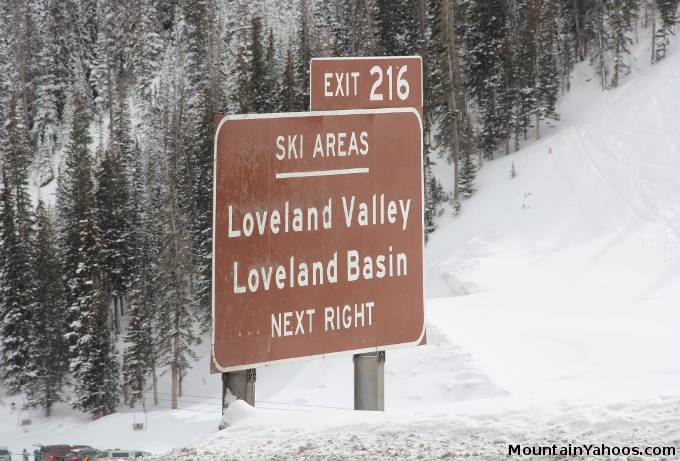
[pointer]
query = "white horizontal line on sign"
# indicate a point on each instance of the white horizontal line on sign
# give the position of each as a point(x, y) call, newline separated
point(311, 174)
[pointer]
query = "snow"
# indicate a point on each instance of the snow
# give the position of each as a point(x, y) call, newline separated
point(573, 265)
point(477, 430)
point(552, 315)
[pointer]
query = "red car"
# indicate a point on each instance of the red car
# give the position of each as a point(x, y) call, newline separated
point(54, 452)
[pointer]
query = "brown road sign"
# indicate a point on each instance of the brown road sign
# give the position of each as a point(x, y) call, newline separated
point(366, 83)
point(317, 235)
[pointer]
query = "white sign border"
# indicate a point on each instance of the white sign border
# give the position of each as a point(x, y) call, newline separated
point(422, 231)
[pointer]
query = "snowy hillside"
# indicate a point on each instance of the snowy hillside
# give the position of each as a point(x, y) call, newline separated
point(552, 303)
point(572, 268)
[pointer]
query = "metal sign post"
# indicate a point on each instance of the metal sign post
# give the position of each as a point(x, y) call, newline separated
point(369, 381)
point(240, 384)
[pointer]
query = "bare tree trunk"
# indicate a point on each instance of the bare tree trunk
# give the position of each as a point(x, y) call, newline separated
point(653, 21)
point(109, 93)
point(22, 60)
point(422, 37)
point(600, 37)
point(211, 52)
point(353, 28)
point(125, 380)
point(114, 323)
point(371, 30)
point(175, 375)
point(452, 61)
point(178, 275)
point(538, 126)
point(175, 340)
point(580, 52)
point(154, 383)
point(637, 20)
point(617, 64)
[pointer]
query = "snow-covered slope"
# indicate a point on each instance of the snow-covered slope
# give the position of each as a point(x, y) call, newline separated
point(573, 267)
point(552, 300)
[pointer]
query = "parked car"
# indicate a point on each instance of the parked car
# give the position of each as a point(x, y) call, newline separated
point(5, 455)
point(54, 452)
point(84, 453)
point(117, 453)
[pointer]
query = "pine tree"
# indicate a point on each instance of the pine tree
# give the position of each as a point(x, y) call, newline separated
point(8, 73)
point(74, 189)
point(257, 88)
point(151, 280)
point(271, 81)
point(486, 70)
point(14, 347)
point(147, 196)
point(430, 207)
point(49, 95)
point(138, 353)
point(304, 56)
point(94, 365)
point(397, 26)
point(575, 13)
point(17, 159)
point(362, 27)
point(114, 219)
point(621, 16)
point(147, 50)
point(287, 92)
point(243, 96)
point(547, 73)
point(7, 238)
point(435, 194)
point(197, 147)
point(93, 361)
point(668, 13)
point(175, 322)
point(234, 32)
point(121, 132)
point(437, 86)
point(446, 96)
point(457, 207)
point(566, 44)
point(601, 39)
point(17, 280)
point(26, 47)
point(258, 75)
point(49, 349)
point(338, 16)
point(83, 42)
point(468, 167)
point(102, 72)
point(525, 18)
